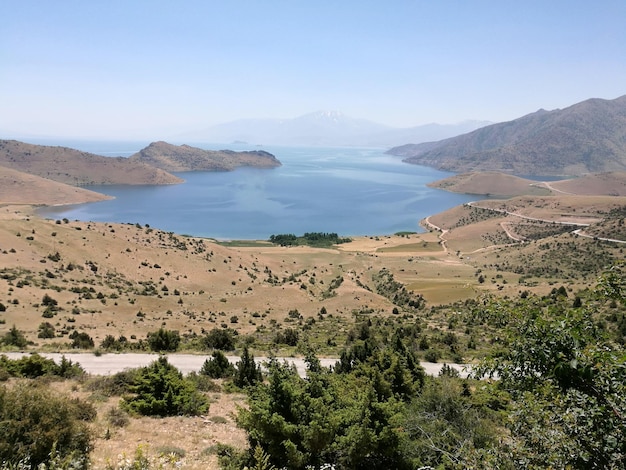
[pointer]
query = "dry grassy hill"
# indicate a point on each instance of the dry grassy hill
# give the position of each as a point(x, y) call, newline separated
point(17, 187)
point(502, 185)
point(490, 183)
point(78, 168)
point(127, 279)
point(601, 184)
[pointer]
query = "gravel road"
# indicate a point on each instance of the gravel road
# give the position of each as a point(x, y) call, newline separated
point(108, 364)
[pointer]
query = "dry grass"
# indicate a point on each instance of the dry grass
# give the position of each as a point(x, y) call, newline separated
point(121, 262)
point(195, 437)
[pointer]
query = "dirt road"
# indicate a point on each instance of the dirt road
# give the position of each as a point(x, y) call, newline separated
point(108, 364)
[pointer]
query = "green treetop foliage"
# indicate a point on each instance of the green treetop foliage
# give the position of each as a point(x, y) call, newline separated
point(37, 425)
point(558, 399)
point(317, 239)
point(163, 340)
point(34, 365)
point(323, 419)
point(218, 366)
point(160, 390)
point(568, 384)
point(14, 337)
point(247, 372)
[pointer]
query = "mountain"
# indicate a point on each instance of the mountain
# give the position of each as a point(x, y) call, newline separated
point(170, 157)
point(588, 137)
point(325, 128)
point(78, 168)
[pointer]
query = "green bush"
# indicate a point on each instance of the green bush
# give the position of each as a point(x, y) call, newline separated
point(247, 372)
point(46, 330)
point(34, 365)
point(37, 425)
point(114, 385)
point(161, 390)
point(218, 366)
point(222, 339)
point(163, 340)
point(81, 340)
point(14, 337)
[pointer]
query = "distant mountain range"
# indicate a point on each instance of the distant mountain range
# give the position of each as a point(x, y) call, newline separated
point(588, 137)
point(324, 128)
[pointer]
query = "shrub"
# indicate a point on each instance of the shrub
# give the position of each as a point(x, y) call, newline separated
point(115, 385)
point(37, 425)
point(81, 340)
point(34, 366)
point(117, 417)
point(15, 337)
point(160, 390)
point(247, 372)
point(432, 355)
point(289, 337)
point(203, 382)
point(48, 301)
point(46, 330)
point(218, 366)
point(164, 340)
point(220, 339)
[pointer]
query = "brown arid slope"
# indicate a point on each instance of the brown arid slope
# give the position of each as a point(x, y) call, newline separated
point(490, 183)
point(177, 158)
point(588, 137)
point(17, 187)
point(78, 168)
point(567, 238)
point(601, 184)
point(127, 279)
point(502, 185)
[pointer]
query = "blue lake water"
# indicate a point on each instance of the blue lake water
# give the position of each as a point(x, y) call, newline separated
point(344, 190)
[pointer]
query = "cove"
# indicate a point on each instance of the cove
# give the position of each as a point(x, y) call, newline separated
point(349, 191)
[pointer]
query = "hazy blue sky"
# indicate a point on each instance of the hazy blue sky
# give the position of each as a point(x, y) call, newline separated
point(148, 69)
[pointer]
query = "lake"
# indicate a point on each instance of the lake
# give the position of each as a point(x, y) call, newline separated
point(344, 190)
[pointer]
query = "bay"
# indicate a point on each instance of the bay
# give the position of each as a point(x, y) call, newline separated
point(349, 191)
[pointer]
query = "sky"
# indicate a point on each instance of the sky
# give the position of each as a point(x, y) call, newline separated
point(124, 69)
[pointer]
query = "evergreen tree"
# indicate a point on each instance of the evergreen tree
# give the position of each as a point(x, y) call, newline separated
point(247, 372)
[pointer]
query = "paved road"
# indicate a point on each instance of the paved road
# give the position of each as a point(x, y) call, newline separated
point(108, 364)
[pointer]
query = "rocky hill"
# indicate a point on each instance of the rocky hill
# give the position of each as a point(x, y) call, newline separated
point(78, 168)
point(170, 157)
point(588, 137)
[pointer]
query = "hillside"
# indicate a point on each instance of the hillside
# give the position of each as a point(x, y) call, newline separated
point(490, 183)
point(588, 137)
point(174, 158)
point(17, 187)
point(502, 185)
point(78, 168)
point(602, 184)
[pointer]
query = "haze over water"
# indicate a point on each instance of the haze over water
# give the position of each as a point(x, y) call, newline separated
point(344, 190)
